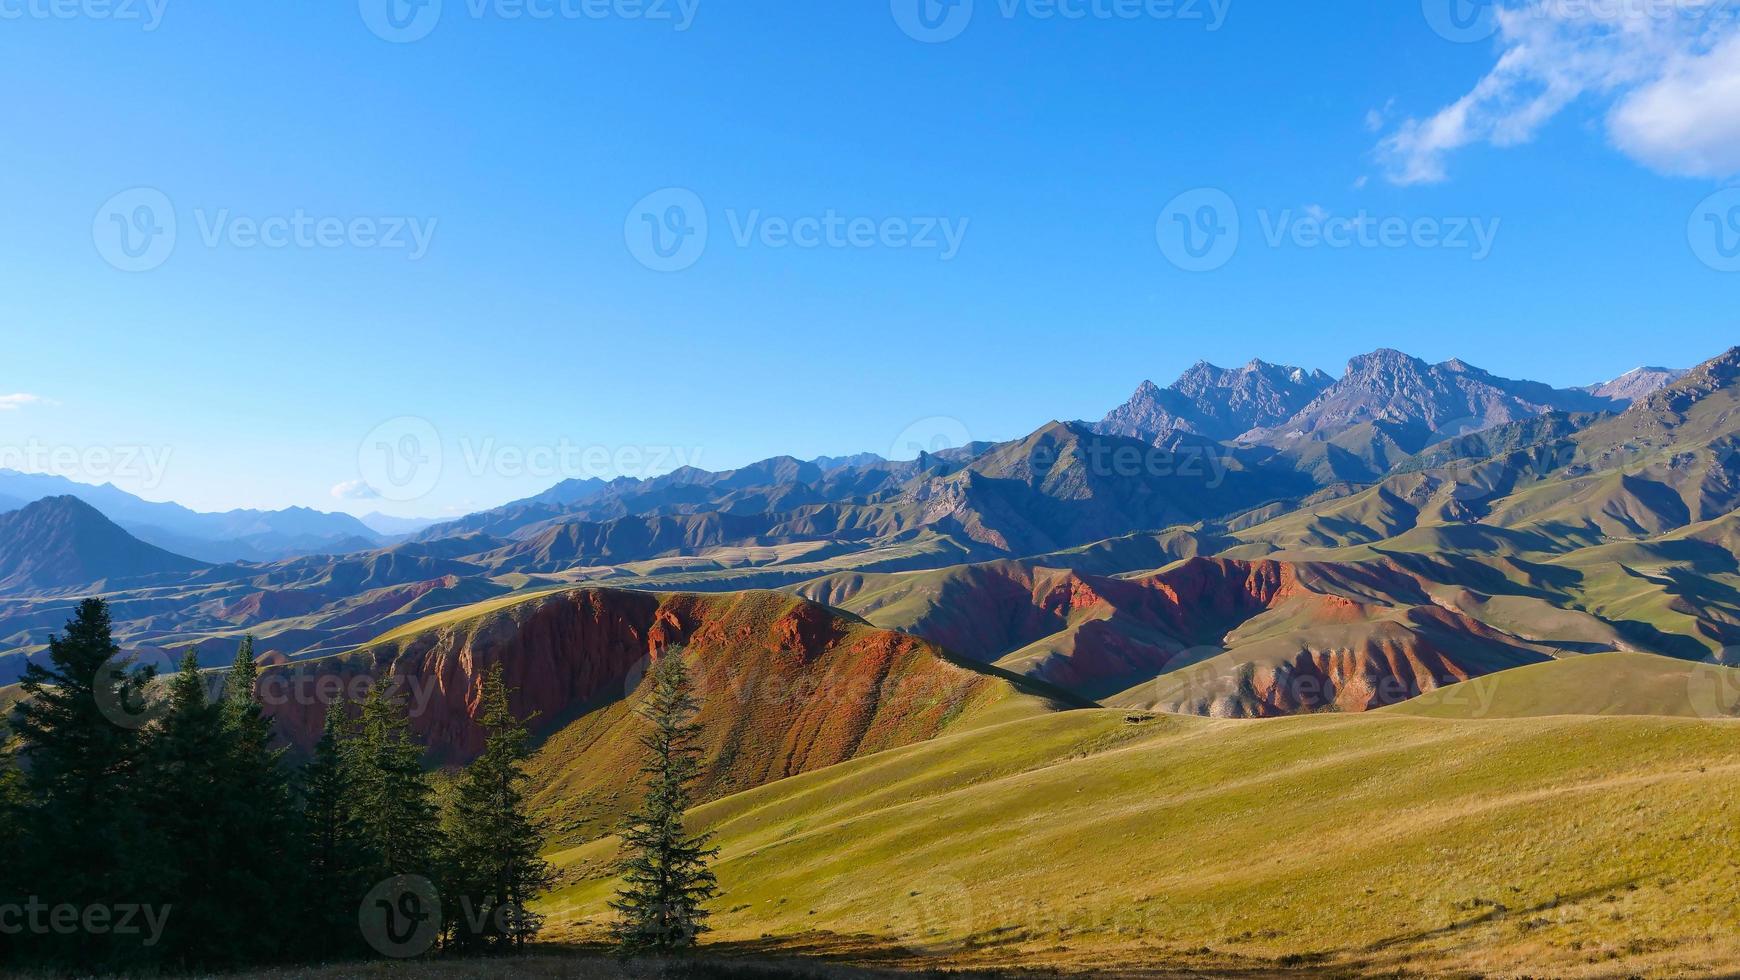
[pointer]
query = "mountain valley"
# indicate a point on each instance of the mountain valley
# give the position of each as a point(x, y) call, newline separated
point(1081, 665)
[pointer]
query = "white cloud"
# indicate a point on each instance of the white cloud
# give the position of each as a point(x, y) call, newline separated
point(1376, 119)
point(355, 490)
point(1688, 121)
point(1668, 72)
point(10, 403)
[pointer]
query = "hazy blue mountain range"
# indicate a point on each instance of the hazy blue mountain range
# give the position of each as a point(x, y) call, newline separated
point(237, 535)
point(61, 542)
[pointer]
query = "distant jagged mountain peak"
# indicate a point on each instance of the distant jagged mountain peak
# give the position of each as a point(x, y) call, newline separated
point(1215, 402)
point(1390, 387)
point(1385, 357)
point(1637, 383)
point(1717, 375)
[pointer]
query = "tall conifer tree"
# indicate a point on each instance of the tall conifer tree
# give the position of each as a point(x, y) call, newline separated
point(336, 863)
point(492, 865)
point(79, 729)
point(666, 881)
point(187, 811)
point(256, 833)
point(392, 800)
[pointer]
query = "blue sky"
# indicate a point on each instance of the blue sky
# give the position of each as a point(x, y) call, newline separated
point(469, 203)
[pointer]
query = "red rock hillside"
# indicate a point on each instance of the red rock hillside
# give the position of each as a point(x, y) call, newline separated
point(786, 686)
point(1244, 638)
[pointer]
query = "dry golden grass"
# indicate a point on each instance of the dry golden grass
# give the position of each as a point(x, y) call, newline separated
point(1359, 845)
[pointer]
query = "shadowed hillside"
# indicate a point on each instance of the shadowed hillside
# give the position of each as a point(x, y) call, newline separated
point(1205, 636)
point(62, 543)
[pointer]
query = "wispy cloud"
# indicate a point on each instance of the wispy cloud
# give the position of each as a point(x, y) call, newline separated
point(355, 490)
point(9, 403)
point(1666, 71)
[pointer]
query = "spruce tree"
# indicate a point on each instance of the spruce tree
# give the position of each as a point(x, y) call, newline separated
point(187, 812)
point(393, 802)
point(666, 881)
point(12, 849)
point(81, 754)
point(492, 867)
point(256, 832)
point(336, 862)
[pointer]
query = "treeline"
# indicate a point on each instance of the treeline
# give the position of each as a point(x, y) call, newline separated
point(144, 829)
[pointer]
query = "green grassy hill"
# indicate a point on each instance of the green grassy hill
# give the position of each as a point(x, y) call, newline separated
point(1597, 684)
point(1383, 844)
